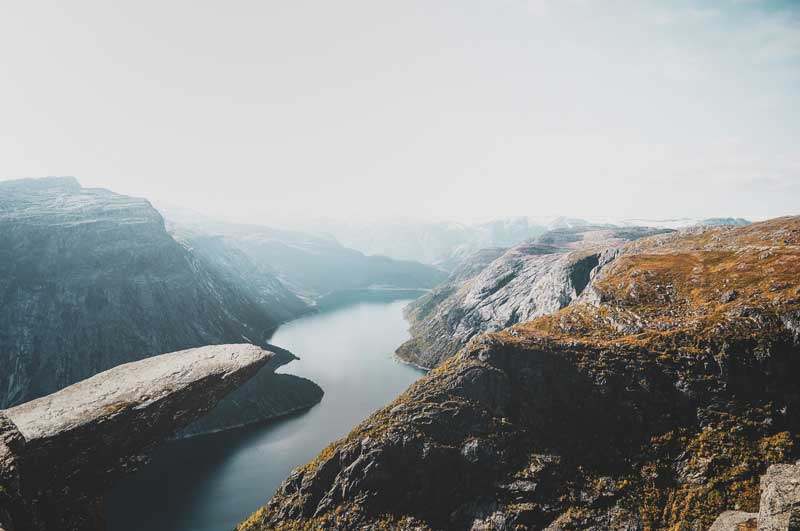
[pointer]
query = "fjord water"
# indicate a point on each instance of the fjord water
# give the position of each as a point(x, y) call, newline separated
point(213, 482)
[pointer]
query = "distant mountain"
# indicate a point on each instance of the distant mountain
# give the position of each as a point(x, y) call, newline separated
point(443, 244)
point(90, 279)
point(311, 266)
point(677, 223)
point(724, 222)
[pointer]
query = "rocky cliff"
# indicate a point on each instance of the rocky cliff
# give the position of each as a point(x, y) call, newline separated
point(655, 401)
point(266, 395)
point(90, 279)
point(59, 454)
point(494, 289)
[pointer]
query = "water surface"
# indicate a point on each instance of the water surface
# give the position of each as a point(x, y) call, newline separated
point(211, 483)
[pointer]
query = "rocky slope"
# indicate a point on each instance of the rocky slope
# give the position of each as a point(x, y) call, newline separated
point(90, 279)
point(60, 453)
point(494, 289)
point(655, 401)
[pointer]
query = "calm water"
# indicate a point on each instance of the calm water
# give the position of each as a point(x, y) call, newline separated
point(211, 483)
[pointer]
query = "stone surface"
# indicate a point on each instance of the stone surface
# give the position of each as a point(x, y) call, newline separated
point(780, 498)
point(492, 289)
point(266, 395)
point(647, 403)
point(69, 447)
point(779, 506)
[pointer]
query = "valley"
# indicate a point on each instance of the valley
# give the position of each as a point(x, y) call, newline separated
point(216, 481)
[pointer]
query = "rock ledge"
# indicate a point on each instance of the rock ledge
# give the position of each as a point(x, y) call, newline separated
point(59, 454)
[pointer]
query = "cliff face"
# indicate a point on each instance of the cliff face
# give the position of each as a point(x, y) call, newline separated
point(90, 279)
point(656, 400)
point(60, 453)
point(492, 290)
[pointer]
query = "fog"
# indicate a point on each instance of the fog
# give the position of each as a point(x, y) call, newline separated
point(282, 112)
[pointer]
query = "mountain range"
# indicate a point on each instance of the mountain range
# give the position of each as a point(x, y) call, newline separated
point(90, 279)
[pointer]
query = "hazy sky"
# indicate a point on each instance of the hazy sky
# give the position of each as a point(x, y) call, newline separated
point(265, 110)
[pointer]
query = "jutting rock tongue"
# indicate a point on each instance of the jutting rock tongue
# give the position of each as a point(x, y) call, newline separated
point(59, 454)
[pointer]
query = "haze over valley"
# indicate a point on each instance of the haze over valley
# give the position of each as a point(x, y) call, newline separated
point(480, 266)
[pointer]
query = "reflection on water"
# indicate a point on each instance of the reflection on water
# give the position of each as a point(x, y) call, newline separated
point(211, 483)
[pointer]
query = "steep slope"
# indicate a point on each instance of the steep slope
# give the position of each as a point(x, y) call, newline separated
point(311, 266)
point(491, 290)
point(90, 279)
point(259, 281)
point(59, 454)
point(654, 402)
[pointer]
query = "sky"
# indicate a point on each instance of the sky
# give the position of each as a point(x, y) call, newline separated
point(266, 111)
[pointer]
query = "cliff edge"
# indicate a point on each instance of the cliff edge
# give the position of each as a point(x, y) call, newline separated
point(656, 400)
point(60, 453)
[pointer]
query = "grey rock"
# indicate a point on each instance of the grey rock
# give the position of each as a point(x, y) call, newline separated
point(78, 441)
point(779, 508)
point(792, 323)
point(729, 296)
point(488, 292)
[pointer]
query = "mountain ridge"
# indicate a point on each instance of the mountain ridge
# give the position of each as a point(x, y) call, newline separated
point(656, 400)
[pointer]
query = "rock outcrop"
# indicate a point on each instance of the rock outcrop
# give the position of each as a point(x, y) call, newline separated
point(654, 403)
point(90, 279)
point(493, 290)
point(779, 508)
point(264, 396)
point(60, 453)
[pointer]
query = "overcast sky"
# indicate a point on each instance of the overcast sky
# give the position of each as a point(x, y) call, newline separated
point(269, 110)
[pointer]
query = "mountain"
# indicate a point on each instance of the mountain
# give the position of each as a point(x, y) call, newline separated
point(656, 400)
point(90, 279)
point(446, 244)
point(311, 266)
point(721, 222)
point(497, 288)
point(679, 223)
point(442, 244)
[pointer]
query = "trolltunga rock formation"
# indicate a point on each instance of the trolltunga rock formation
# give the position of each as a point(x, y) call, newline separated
point(60, 453)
